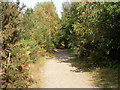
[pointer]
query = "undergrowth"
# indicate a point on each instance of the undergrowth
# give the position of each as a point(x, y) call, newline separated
point(104, 77)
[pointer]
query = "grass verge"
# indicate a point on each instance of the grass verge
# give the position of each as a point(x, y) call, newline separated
point(35, 73)
point(107, 77)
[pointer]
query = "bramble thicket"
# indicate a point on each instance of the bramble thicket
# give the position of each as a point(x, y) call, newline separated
point(26, 37)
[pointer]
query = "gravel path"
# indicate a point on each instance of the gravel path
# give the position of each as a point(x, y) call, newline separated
point(58, 74)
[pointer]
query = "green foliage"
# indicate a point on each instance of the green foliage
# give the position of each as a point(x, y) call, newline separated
point(45, 26)
point(91, 30)
point(26, 38)
point(13, 72)
point(103, 78)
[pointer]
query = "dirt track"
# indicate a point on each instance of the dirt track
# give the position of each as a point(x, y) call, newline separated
point(58, 73)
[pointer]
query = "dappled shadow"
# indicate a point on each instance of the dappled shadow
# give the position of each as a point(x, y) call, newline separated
point(80, 65)
point(63, 57)
point(103, 75)
point(77, 70)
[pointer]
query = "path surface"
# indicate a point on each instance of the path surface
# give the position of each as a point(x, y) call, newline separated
point(58, 74)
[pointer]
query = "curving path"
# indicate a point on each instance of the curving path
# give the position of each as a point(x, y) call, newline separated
point(58, 73)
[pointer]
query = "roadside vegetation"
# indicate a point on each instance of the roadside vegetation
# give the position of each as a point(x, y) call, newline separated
point(91, 32)
point(26, 38)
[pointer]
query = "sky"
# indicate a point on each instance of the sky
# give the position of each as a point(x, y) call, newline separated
point(57, 3)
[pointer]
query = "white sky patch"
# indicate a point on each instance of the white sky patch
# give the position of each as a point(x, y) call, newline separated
point(57, 3)
point(32, 3)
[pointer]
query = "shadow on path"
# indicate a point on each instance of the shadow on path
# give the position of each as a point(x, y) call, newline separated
point(59, 72)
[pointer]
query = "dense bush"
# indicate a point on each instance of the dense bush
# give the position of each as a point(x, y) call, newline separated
point(26, 37)
point(12, 71)
point(92, 31)
point(45, 26)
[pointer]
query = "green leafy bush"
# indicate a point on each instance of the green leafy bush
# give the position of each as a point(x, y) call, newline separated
point(91, 30)
point(26, 38)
